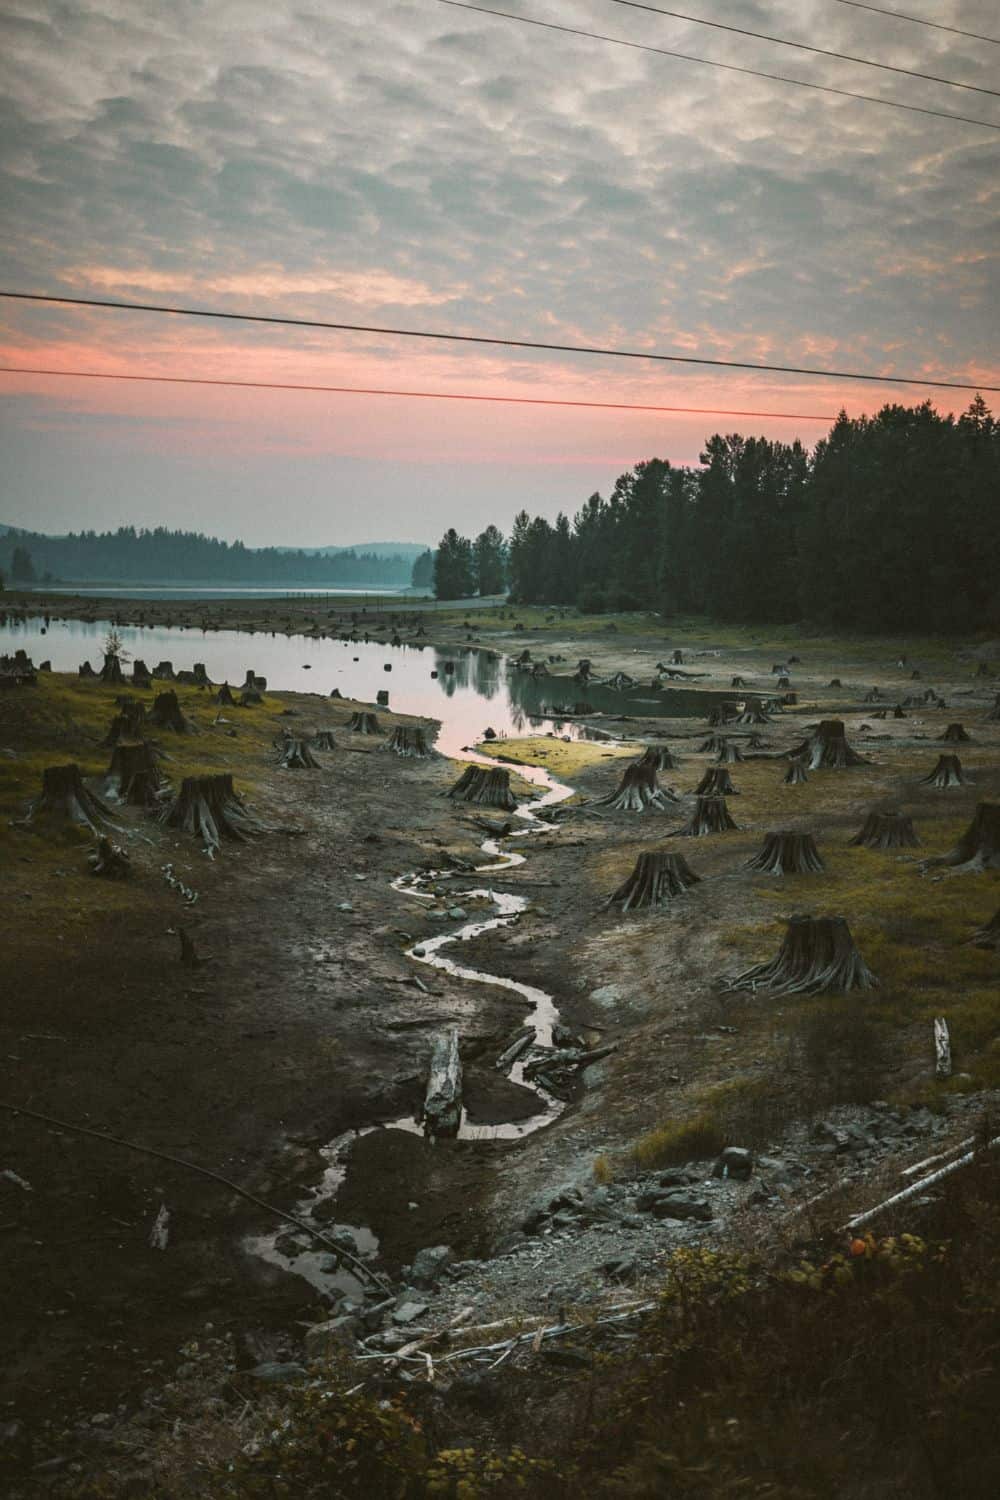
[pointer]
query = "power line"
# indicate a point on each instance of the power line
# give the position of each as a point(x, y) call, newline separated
point(494, 341)
point(707, 62)
point(358, 390)
point(898, 15)
point(781, 41)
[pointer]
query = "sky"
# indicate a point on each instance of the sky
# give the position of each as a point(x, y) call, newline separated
point(407, 163)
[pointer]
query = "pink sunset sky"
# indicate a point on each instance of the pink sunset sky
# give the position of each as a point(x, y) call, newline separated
point(411, 165)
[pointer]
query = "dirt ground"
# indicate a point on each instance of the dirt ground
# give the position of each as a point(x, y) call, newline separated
point(304, 1020)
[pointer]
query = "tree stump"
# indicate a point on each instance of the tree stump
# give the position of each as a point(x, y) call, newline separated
point(166, 714)
point(988, 936)
point(899, 712)
point(323, 740)
point(134, 777)
point(163, 671)
point(211, 809)
point(638, 790)
point(756, 742)
point(112, 668)
point(727, 754)
point(817, 956)
point(784, 682)
point(992, 716)
point(737, 682)
point(65, 796)
point(956, 734)
point(678, 658)
point(442, 1113)
point(872, 696)
point(297, 756)
point(788, 853)
point(656, 880)
point(711, 815)
point(657, 756)
point(490, 788)
point(363, 722)
point(109, 860)
point(716, 782)
point(86, 670)
point(979, 847)
point(796, 773)
point(947, 772)
point(409, 741)
point(336, 693)
point(140, 672)
point(886, 831)
point(128, 724)
point(983, 670)
point(224, 697)
point(753, 713)
point(725, 713)
point(835, 682)
point(827, 748)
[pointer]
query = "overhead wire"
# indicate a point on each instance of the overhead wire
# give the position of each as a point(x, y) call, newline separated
point(708, 62)
point(781, 41)
point(495, 341)
point(899, 15)
point(357, 390)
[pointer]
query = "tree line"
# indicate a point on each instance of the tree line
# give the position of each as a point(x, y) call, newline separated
point(892, 522)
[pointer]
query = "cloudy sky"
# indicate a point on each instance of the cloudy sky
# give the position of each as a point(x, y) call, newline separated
point(405, 163)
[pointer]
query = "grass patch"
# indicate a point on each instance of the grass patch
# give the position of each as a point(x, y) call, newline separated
point(565, 759)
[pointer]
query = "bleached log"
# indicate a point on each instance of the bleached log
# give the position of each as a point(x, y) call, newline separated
point(920, 1186)
point(942, 1048)
point(443, 1102)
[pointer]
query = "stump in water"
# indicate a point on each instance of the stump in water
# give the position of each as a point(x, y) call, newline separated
point(886, 831)
point(109, 860)
point(112, 668)
point(753, 713)
point(166, 714)
point(323, 740)
point(657, 756)
point(956, 734)
point(133, 776)
point(947, 772)
point(979, 847)
point(827, 748)
point(816, 956)
point(164, 671)
point(656, 879)
point(491, 788)
point(410, 741)
point(363, 722)
point(210, 808)
point(127, 724)
point(988, 936)
point(297, 756)
point(788, 853)
point(638, 790)
point(225, 696)
point(796, 773)
point(716, 782)
point(65, 796)
point(711, 815)
point(442, 1113)
point(727, 754)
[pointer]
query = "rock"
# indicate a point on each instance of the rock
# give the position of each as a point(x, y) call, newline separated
point(429, 1264)
point(680, 1177)
point(621, 1268)
point(829, 1135)
point(288, 1244)
point(457, 913)
point(735, 1163)
point(679, 1205)
point(326, 1339)
point(274, 1373)
point(408, 1312)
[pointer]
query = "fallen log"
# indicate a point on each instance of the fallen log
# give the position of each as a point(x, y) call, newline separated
point(442, 1112)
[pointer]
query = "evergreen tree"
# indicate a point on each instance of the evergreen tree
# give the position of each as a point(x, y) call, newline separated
point(422, 573)
point(22, 569)
point(490, 561)
point(454, 571)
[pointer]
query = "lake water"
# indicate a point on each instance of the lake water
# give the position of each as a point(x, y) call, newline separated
point(479, 688)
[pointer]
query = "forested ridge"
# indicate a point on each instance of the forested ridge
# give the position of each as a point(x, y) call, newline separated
point(891, 522)
point(159, 555)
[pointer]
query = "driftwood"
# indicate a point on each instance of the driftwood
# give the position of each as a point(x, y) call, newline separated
point(711, 815)
point(955, 734)
point(638, 790)
point(827, 748)
point(490, 788)
point(364, 722)
point(716, 782)
point(816, 956)
point(886, 831)
point(796, 773)
point(210, 808)
point(788, 853)
point(109, 860)
point(656, 879)
point(166, 714)
point(947, 772)
point(133, 776)
point(988, 936)
point(979, 847)
point(442, 1113)
point(409, 741)
point(297, 756)
point(65, 796)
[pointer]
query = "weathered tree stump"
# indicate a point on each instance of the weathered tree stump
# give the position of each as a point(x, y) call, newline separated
point(409, 741)
point(979, 847)
point(817, 956)
point(711, 815)
point(983, 670)
point(725, 713)
point(638, 790)
point(252, 681)
point(112, 668)
point(442, 1113)
point(189, 954)
point(899, 712)
point(753, 713)
point(656, 879)
point(796, 773)
point(166, 714)
point(872, 696)
point(728, 754)
point(712, 745)
point(620, 681)
point(784, 682)
point(835, 682)
point(737, 682)
point(886, 831)
point(678, 658)
point(992, 716)
point(86, 670)
point(490, 788)
point(788, 853)
point(657, 756)
point(163, 671)
point(956, 734)
point(382, 698)
point(716, 782)
point(323, 740)
point(336, 693)
point(756, 742)
point(947, 772)
point(64, 796)
point(134, 777)
point(827, 748)
point(224, 697)
point(363, 722)
point(140, 672)
point(297, 756)
point(109, 860)
point(128, 724)
point(210, 808)
point(988, 936)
